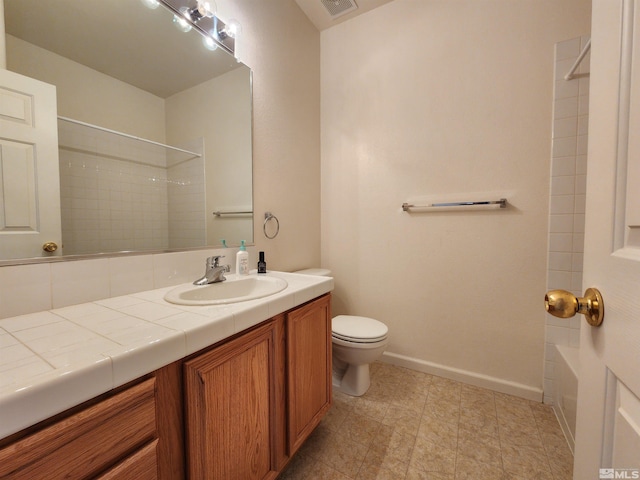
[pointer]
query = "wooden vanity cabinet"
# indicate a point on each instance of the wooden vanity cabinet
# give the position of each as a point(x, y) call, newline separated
point(231, 415)
point(117, 435)
point(237, 411)
point(308, 369)
point(251, 402)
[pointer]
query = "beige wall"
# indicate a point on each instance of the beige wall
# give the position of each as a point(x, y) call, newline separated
point(218, 111)
point(434, 98)
point(114, 104)
point(282, 48)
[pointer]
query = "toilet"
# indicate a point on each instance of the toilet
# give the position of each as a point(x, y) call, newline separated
point(357, 342)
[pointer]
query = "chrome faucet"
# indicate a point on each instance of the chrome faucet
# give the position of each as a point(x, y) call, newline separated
point(214, 272)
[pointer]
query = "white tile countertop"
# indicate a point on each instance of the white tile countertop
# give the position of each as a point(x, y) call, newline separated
point(53, 360)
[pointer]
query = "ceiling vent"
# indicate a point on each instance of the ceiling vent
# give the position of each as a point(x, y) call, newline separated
point(337, 8)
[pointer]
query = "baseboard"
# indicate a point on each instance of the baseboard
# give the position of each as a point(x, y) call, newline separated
point(465, 376)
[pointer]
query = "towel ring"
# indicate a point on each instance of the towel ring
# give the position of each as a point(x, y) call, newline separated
point(270, 216)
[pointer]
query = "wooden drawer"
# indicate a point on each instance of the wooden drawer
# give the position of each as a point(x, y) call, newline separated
point(88, 442)
point(142, 465)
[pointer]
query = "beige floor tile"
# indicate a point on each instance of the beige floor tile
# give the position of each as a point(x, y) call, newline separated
point(415, 426)
point(371, 471)
point(525, 461)
point(360, 428)
point(337, 414)
point(322, 471)
point(485, 423)
point(432, 457)
point(392, 446)
point(343, 454)
point(480, 447)
point(371, 407)
point(318, 442)
point(402, 420)
point(442, 409)
point(415, 474)
point(298, 468)
point(511, 435)
point(439, 431)
point(410, 399)
point(468, 468)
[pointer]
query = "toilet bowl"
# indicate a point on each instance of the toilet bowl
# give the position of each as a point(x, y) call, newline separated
point(357, 342)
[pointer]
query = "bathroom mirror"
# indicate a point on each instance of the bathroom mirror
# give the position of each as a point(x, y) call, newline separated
point(154, 128)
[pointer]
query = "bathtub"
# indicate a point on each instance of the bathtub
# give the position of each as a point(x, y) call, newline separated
point(566, 372)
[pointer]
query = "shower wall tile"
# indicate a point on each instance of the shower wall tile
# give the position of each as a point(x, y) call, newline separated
point(563, 185)
point(569, 49)
point(565, 107)
point(563, 166)
point(564, 147)
point(562, 204)
point(115, 193)
point(565, 89)
point(567, 199)
point(565, 127)
point(562, 261)
point(561, 223)
point(560, 242)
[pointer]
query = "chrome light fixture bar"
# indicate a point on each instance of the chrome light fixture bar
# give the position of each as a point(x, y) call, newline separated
point(202, 18)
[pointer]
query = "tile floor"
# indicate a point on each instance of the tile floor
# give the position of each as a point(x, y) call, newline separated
point(411, 425)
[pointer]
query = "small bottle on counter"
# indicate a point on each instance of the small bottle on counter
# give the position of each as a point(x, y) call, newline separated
point(242, 260)
point(262, 265)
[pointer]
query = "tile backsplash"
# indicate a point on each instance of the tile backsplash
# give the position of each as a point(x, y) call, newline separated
point(45, 286)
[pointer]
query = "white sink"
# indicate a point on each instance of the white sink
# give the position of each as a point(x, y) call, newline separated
point(234, 289)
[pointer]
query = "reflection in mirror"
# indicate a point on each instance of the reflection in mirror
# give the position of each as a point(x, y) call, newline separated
point(154, 129)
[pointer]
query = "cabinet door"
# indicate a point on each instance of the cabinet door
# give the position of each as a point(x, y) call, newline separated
point(309, 368)
point(231, 409)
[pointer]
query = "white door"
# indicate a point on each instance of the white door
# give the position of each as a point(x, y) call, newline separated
point(608, 424)
point(29, 178)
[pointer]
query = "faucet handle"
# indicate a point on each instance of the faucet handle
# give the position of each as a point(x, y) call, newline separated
point(213, 262)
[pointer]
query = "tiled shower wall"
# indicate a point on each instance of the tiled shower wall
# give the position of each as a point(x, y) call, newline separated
point(567, 201)
point(115, 192)
point(186, 190)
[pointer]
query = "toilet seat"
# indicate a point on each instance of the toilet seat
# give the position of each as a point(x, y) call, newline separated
point(351, 328)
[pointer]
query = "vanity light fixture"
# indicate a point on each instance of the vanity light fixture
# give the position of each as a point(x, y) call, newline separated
point(231, 29)
point(202, 17)
point(203, 9)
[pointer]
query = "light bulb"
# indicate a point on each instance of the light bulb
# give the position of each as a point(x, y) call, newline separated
point(181, 23)
point(209, 44)
point(233, 28)
point(206, 8)
point(152, 4)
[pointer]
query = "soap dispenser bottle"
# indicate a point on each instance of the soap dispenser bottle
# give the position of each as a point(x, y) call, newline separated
point(242, 260)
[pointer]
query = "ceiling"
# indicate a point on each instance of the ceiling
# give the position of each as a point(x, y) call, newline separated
point(111, 36)
point(120, 38)
point(320, 17)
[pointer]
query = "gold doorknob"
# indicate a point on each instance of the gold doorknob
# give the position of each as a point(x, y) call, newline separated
point(50, 247)
point(563, 304)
